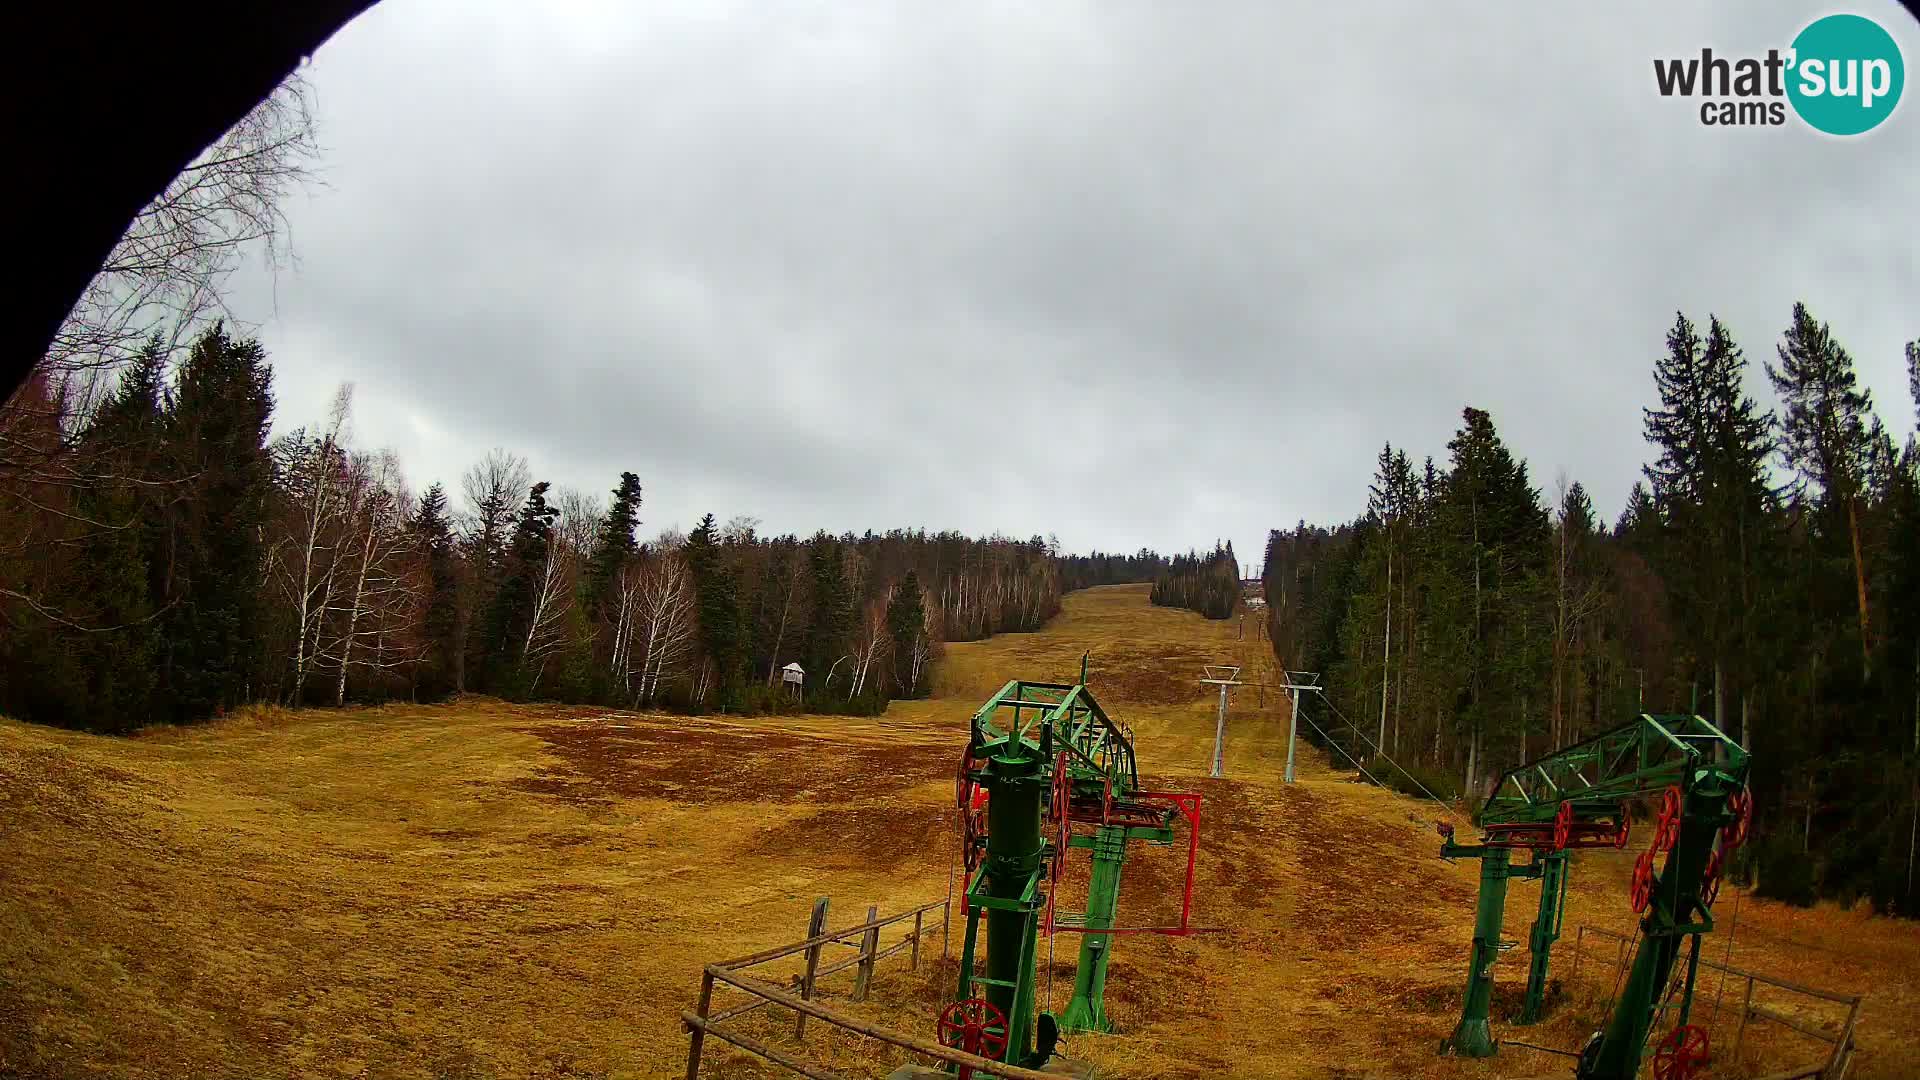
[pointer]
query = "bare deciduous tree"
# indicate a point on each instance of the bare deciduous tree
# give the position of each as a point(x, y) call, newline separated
point(166, 275)
point(552, 600)
point(786, 589)
point(580, 516)
point(664, 620)
point(925, 644)
point(384, 597)
point(493, 487)
point(872, 642)
point(313, 475)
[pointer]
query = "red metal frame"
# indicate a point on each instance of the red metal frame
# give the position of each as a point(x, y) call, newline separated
point(1130, 811)
point(1545, 835)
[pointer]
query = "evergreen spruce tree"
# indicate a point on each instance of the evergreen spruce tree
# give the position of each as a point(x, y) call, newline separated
point(210, 571)
point(511, 613)
point(1828, 436)
point(1496, 545)
point(906, 625)
point(613, 545)
point(94, 667)
point(722, 631)
point(439, 622)
point(830, 632)
point(1709, 481)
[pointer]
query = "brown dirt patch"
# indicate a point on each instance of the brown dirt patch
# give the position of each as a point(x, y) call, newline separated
point(867, 835)
point(693, 762)
point(1150, 676)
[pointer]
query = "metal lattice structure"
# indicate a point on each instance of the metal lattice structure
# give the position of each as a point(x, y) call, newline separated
point(1047, 771)
point(1582, 797)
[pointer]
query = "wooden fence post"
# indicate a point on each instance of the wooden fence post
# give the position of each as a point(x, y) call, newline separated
point(1843, 1050)
point(1746, 1009)
point(699, 1034)
point(913, 954)
point(815, 927)
point(869, 947)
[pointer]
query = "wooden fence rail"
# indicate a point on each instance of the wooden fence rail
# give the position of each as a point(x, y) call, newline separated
point(865, 938)
point(1842, 1045)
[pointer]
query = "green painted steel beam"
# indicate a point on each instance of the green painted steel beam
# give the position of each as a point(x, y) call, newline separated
point(1634, 760)
point(1551, 869)
point(1087, 1010)
point(1007, 890)
point(1472, 1036)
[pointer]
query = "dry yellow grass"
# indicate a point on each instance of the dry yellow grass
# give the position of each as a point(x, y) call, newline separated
point(486, 890)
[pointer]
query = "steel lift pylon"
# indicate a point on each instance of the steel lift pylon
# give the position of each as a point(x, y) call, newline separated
point(1581, 797)
point(1045, 771)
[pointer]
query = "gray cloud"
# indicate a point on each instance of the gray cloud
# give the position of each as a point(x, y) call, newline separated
point(1135, 273)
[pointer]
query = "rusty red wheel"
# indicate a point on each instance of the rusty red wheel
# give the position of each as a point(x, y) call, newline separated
point(1684, 1052)
point(1734, 833)
point(975, 1026)
point(963, 784)
point(1563, 826)
point(1710, 880)
point(1642, 890)
point(1062, 813)
point(1622, 829)
point(1666, 827)
point(973, 836)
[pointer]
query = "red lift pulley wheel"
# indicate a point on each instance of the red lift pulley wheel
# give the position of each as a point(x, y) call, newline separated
point(1642, 891)
point(1666, 827)
point(1562, 826)
point(971, 836)
point(975, 1026)
point(963, 783)
point(1681, 1054)
point(1710, 881)
point(1062, 814)
point(1734, 833)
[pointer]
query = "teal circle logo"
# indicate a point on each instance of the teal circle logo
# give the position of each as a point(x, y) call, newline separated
point(1846, 74)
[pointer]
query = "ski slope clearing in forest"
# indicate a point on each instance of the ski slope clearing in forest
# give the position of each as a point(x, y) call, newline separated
point(482, 890)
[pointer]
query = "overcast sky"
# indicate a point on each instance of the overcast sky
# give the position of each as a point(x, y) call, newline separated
point(1133, 273)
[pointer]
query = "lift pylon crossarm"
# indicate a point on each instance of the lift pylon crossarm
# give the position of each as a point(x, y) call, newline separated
point(1634, 760)
point(1070, 716)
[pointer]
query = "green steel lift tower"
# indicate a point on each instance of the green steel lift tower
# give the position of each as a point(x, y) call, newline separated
point(1041, 759)
point(1581, 797)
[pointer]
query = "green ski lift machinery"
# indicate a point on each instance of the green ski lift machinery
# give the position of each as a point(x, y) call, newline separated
point(1044, 772)
point(1581, 797)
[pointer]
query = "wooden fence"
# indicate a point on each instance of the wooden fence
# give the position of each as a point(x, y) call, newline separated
point(702, 1021)
point(1841, 1045)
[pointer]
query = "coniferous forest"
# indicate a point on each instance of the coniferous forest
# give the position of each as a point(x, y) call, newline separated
point(1765, 573)
point(1100, 568)
point(164, 560)
point(1208, 584)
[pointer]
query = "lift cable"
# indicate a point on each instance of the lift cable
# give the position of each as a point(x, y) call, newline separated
point(1377, 752)
point(1343, 750)
point(1542, 1049)
point(1620, 971)
point(1726, 961)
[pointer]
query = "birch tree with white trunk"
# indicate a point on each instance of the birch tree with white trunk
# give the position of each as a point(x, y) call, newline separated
point(664, 620)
